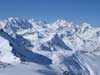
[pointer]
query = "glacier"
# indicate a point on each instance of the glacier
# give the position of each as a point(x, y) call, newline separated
point(34, 47)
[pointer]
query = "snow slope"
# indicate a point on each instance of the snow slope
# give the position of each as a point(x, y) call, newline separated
point(59, 48)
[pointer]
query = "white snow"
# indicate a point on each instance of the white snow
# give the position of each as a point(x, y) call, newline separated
point(6, 51)
point(33, 47)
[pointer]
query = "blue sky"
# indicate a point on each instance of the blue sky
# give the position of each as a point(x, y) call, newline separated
point(77, 11)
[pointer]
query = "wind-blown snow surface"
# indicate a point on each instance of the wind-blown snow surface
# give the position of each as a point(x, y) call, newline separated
point(32, 47)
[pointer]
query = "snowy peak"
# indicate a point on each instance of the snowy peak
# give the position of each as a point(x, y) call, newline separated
point(24, 24)
point(14, 24)
point(63, 23)
point(84, 27)
point(55, 44)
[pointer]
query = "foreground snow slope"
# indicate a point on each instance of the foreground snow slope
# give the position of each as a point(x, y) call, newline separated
point(33, 47)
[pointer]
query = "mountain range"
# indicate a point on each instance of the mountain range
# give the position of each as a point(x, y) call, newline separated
point(34, 47)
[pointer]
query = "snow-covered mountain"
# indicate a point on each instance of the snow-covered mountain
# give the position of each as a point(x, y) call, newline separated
point(59, 48)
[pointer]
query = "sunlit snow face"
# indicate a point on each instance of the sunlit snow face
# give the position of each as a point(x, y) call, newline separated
point(3, 24)
point(6, 51)
point(4, 45)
